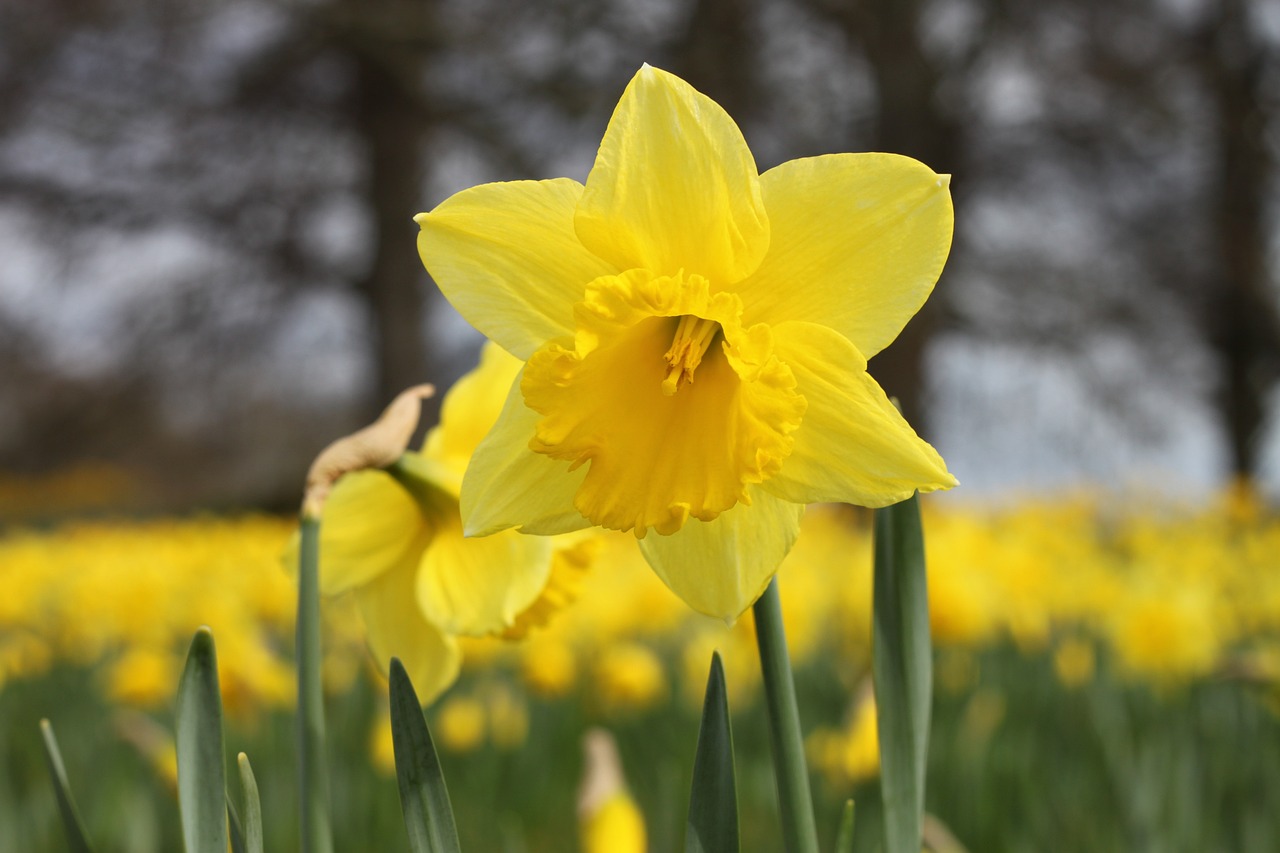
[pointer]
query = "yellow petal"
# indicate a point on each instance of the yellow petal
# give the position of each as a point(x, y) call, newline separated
point(720, 567)
point(470, 409)
point(674, 186)
point(370, 524)
point(479, 586)
point(508, 485)
point(506, 256)
point(660, 454)
point(396, 627)
point(858, 241)
point(853, 446)
point(571, 558)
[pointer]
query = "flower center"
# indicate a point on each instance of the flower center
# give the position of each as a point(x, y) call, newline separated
point(694, 336)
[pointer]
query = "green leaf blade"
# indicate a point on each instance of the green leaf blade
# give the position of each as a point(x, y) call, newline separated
point(844, 838)
point(902, 670)
point(713, 800)
point(252, 806)
point(77, 838)
point(428, 816)
point(201, 773)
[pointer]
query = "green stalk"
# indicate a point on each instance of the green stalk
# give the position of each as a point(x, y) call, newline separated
point(785, 741)
point(902, 669)
point(313, 777)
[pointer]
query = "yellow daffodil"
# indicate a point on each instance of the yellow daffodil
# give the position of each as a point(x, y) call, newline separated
point(418, 583)
point(695, 338)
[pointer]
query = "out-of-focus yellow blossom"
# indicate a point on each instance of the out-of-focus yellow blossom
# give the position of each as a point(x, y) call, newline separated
point(382, 747)
point(851, 754)
point(695, 338)
point(144, 677)
point(460, 723)
point(609, 821)
point(628, 676)
point(549, 667)
point(1168, 633)
point(1073, 661)
point(417, 581)
point(508, 717)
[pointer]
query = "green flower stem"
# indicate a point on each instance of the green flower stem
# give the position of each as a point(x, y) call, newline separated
point(794, 800)
point(313, 777)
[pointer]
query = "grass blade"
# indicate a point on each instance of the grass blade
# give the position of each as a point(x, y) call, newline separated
point(313, 774)
point(902, 669)
point(428, 817)
point(252, 806)
point(713, 801)
point(202, 785)
point(844, 838)
point(77, 839)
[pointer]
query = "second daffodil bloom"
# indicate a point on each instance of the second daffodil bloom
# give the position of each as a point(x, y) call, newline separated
point(417, 581)
point(695, 338)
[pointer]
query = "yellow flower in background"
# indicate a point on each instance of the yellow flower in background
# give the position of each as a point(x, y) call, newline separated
point(629, 676)
point(852, 753)
point(460, 723)
point(417, 582)
point(695, 338)
point(609, 821)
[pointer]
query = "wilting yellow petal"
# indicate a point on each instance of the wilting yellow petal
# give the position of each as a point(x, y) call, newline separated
point(508, 485)
point(469, 411)
point(720, 567)
point(661, 452)
point(674, 186)
point(858, 241)
point(506, 256)
point(853, 446)
point(370, 525)
point(479, 586)
point(396, 628)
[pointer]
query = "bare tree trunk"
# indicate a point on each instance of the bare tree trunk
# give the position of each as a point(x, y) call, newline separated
point(393, 125)
point(718, 53)
point(908, 121)
point(1243, 323)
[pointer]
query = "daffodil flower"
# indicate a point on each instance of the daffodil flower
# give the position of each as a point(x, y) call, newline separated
point(695, 338)
point(416, 580)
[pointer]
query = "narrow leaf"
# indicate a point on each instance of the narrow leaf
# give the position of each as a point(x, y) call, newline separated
point(902, 670)
point(313, 774)
point(844, 838)
point(233, 824)
point(252, 806)
point(202, 782)
point(428, 817)
point(77, 839)
point(713, 802)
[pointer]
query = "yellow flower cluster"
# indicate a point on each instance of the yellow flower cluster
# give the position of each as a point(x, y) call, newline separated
point(1146, 590)
point(126, 597)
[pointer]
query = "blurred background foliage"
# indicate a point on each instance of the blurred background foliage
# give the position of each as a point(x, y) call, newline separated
point(205, 214)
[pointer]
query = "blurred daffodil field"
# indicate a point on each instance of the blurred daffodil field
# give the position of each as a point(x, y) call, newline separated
point(1107, 678)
